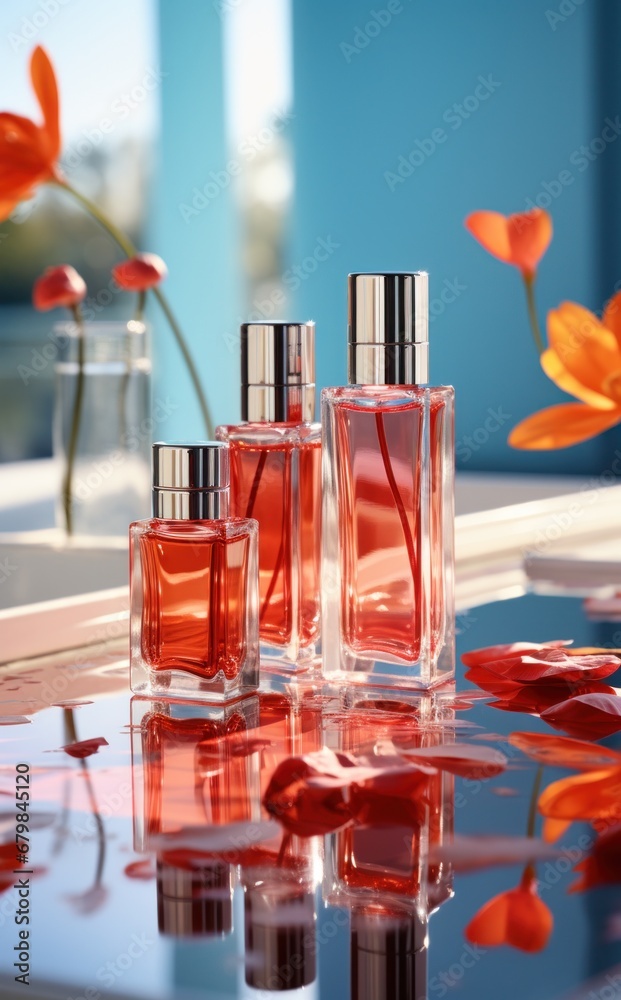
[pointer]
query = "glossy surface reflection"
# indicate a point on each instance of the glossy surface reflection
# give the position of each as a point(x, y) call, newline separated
point(160, 871)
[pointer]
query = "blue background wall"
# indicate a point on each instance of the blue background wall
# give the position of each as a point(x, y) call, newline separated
point(358, 111)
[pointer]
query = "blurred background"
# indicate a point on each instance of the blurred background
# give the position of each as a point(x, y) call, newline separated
point(265, 148)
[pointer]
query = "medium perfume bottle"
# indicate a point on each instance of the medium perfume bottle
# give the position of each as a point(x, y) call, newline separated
point(276, 478)
point(388, 495)
point(193, 573)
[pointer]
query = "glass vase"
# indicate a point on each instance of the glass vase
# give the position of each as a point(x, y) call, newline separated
point(102, 427)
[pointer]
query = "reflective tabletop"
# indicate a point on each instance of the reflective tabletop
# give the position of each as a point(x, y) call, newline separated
point(313, 840)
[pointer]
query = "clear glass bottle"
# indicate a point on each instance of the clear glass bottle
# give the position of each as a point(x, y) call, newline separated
point(193, 582)
point(105, 371)
point(388, 614)
point(276, 478)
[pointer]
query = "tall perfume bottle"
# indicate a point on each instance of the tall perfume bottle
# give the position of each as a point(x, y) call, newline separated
point(276, 478)
point(193, 582)
point(388, 495)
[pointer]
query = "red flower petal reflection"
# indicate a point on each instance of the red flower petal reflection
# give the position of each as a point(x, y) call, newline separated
point(479, 657)
point(143, 869)
point(536, 698)
point(517, 918)
point(561, 751)
point(86, 748)
point(470, 854)
point(586, 716)
point(323, 791)
point(461, 759)
point(603, 865)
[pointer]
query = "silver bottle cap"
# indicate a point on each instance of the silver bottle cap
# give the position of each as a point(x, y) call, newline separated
point(194, 903)
point(190, 480)
point(388, 956)
point(388, 328)
point(278, 372)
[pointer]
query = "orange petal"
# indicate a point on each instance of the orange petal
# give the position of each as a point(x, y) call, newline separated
point(555, 370)
point(611, 317)
point(45, 87)
point(6, 208)
point(583, 796)
point(518, 918)
point(584, 346)
point(561, 426)
point(554, 828)
point(529, 237)
point(490, 229)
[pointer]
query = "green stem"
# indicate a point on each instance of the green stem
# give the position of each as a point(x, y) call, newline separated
point(140, 306)
point(529, 874)
point(74, 431)
point(130, 250)
point(529, 284)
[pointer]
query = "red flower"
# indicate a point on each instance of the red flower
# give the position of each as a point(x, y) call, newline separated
point(517, 918)
point(536, 698)
point(587, 716)
point(29, 152)
point(139, 273)
point(58, 286)
point(520, 239)
point(603, 865)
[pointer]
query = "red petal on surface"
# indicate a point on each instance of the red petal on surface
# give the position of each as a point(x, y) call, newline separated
point(562, 751)
point(537, 697)
point(470, 854)
point(586, 716)
point(550, 664)
point(462, 759)
point(323, 791)
point(477, 657)
point(603, 864)
point(592, 795)
point(85, 748)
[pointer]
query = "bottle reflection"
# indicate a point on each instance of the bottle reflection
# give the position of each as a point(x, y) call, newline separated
point(194, 902)
point(380, 871)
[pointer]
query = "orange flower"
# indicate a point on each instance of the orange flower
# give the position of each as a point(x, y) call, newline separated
point(520, 239)
point(29, 152)
point(583, 359)
point(595, 795)
point(517, 918)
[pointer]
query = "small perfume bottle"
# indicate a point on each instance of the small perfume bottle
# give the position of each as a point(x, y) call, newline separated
point(276, 478)
point(193, 582)
point(388, 495)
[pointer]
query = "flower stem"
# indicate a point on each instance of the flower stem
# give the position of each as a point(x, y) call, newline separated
point(529, 284)
point(392, 482)
point(70, 729)
point(130, 250)
point(74, 431)
point(529, 874)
